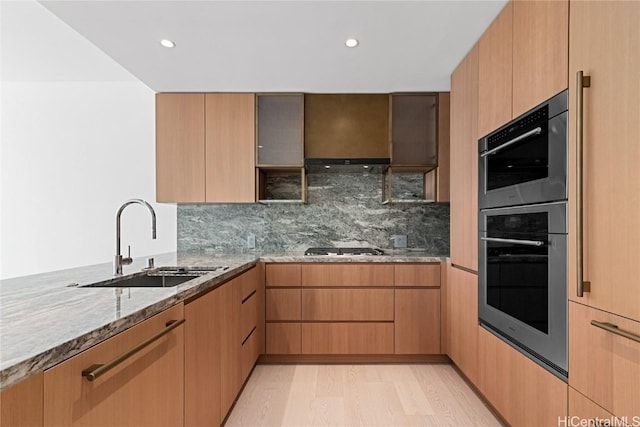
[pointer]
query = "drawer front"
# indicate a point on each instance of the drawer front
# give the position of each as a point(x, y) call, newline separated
point(347, 338)
point(249, 282)
point(603, 366)
point(417, 321)
point(249, 354)
point(283, 304)
point(249, 316)
point(581, 408)
point(282, 275)
point(330, 274)
point(347, 304)
point(145, 389)
point(417, 274)
point(283, 338)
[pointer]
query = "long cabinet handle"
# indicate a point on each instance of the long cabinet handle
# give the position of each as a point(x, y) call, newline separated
point(582, 82)
point(514, 241)
point(96, 371)
point(536, 131)
point(615, 330)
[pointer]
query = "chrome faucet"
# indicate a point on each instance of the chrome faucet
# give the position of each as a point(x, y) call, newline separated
point(118, 260)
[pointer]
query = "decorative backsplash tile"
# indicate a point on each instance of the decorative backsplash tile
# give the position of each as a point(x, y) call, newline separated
point(342, 210)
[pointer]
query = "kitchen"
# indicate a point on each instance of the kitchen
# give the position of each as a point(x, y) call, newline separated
point(496, 76)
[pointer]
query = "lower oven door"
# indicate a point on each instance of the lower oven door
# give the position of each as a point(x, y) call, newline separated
point(523, 280)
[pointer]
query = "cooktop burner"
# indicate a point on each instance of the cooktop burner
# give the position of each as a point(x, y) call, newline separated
point(344, 251)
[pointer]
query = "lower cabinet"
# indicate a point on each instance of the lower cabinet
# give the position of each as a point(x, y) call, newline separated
point(21, 404)
point(417, 321)
point(524, 393)
point(145, 389)
point(584, 412)
point(347, 338)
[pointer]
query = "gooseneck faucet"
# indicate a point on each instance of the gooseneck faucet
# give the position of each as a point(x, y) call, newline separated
point(118, 260)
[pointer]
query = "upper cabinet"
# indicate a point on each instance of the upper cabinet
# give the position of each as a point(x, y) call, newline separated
point(205, 147)
point(464, 170)
point(604, 45)
point(523, 60)
point(414, 130)
point(280, 138)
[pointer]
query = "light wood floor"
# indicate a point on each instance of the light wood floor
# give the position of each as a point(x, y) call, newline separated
point(358, 395)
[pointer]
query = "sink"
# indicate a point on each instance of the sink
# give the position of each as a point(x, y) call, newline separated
point(163, 277)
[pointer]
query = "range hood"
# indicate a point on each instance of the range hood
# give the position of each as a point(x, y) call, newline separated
point(346, 132)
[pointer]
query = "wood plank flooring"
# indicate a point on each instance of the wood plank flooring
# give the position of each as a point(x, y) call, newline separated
point(359, 395)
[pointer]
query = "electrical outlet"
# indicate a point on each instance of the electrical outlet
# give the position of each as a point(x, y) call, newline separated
point(251, 241)
point(399, 240)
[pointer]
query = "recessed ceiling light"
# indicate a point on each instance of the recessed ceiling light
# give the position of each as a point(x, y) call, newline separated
point(167, 43)
point(351, 42)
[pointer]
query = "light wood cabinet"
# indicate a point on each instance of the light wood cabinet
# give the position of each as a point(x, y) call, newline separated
point(417, 321)
point(283, 338)
point(283, 305)
point(347, 305)
point(180, 147)
point(202, 364)
point(283, 308)
point(581, 408)
point(417, 274)
point(365, 274)
point(540, 52)
point(21, 404)
point(462, 312)
point(604, 40)
point(495, 68)
point(285, 275)
point(347, 338)
point(230, 345)
point(464, 167)
point(604, 366)
point(145, 389)
point(205, 147)
point(524, 393)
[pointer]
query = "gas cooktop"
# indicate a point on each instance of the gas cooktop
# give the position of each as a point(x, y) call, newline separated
point(344, 251)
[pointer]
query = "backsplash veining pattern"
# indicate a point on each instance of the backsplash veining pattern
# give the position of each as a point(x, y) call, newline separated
point(342, 210)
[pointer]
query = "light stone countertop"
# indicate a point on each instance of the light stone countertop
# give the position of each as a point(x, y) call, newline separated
point(47, 318)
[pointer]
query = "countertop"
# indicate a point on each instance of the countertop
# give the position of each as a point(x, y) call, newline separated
point(47, 318)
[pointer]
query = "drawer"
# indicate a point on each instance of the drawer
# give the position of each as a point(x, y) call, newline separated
point(249, 354)
point(604, 366)
point(417, 321)
point(417, 274)
point(249, 282)
point(283, 304)
point(249, 315)
point(332, 274)
point(347, 304)
point(282, 275)
point(283, 338)
point(584, 409)
point(347, 338)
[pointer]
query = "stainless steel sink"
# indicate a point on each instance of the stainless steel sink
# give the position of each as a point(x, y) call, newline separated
point(162, 277)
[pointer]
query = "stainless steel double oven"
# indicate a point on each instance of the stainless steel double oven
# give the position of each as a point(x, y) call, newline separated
point(523, 233)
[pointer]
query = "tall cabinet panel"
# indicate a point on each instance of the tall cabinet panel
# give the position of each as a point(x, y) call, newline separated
point(462, 309)
point(540, 42)
point(494, 71)
point(464, 165)
point(230, 147)
point(180, 147)
point(604, 43)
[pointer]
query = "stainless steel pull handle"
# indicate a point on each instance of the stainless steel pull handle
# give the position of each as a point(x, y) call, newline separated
point(610, 327)
point(515, 241)
point(95, 371)
point(582, 81)
point(536, 131)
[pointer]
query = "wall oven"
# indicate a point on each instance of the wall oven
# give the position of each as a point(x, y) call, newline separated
point(525, 161)
point(523, 279)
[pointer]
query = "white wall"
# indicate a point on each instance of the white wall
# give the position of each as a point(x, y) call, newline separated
point(75, 145)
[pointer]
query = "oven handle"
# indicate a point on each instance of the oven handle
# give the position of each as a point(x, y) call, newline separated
point(516, 241)
point(536, 131)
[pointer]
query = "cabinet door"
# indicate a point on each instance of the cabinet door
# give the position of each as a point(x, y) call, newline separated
point(280, 130)
point(585, 409)
point(202, 361)
point(230, 147)
point(540, 52)
point(414, 129)
point(180, 155)
point(462, 312)
point(417, 321)
point(494, 71)
point(144, 390)
point(604, 40)
point(21, 404)
point(464, 167)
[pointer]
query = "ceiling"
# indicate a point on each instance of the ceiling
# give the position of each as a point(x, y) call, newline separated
point(261, 46)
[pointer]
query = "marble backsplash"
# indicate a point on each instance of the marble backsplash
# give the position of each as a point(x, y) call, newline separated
point(342, 210)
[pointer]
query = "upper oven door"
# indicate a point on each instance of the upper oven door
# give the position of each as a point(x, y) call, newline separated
point(525, 161)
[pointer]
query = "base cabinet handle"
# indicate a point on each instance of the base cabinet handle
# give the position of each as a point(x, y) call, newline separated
point(610, 327)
